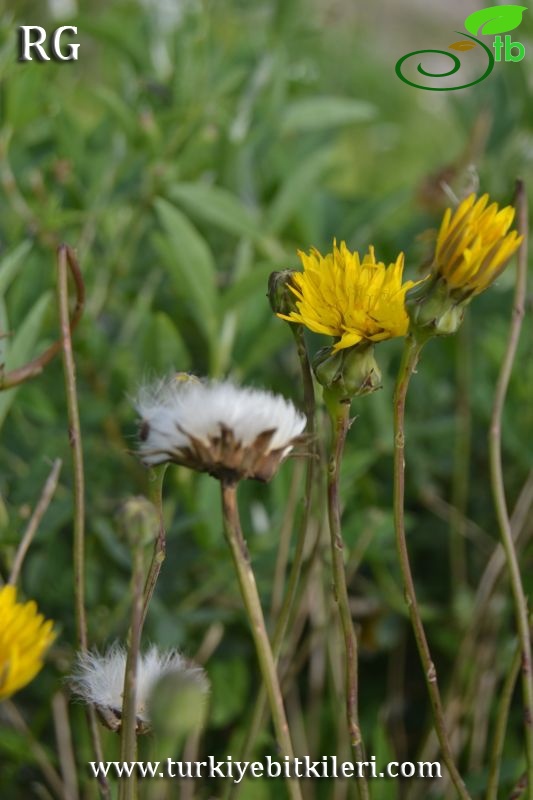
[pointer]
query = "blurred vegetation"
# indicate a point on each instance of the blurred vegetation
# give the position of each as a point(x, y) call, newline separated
point(191, 150)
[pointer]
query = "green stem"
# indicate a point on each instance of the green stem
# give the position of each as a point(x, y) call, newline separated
point(156, 496)
point(340, 421)
point(409, 361)
point(258, 717)
point(128, 731)
point(301, 541)
point(498, 486)
point(66, 258)
point(252, 604)
point(500, 728)
point(69, 369)
point(461, 465)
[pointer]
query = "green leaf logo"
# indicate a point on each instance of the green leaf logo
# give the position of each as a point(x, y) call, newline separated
point(499, 19)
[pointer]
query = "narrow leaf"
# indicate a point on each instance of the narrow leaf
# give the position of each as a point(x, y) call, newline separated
point(21, 349)
point(11, 263)
point(320, 113)
point(217, 206)
point(190, 263)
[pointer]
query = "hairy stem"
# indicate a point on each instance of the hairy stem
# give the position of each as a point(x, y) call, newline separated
point(252, 604)
point(409, 361)
point(340, 421)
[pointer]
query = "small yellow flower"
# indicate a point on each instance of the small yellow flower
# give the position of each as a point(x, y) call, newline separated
point(25, 635)
point(474, 246)
point(351, 299)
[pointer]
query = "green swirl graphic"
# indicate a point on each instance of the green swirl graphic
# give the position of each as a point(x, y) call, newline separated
point(452, 71)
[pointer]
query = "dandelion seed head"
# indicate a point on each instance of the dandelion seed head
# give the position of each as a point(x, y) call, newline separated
point(217, 427)
point(99, 679)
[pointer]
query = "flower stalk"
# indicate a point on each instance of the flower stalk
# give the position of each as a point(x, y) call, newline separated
point(296, 569)
point(293, 583)
point(498, 485)
point(159, 554)
point(66, 259)
point(412, 349)
point(128, 731)
point(340, 421)
point(252, 604)
point(500, 727)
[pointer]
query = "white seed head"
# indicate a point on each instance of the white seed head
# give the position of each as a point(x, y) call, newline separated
point(99, 679)
point(229, 431)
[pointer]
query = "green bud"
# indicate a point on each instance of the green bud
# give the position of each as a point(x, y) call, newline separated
point(138, 521)
point(178, 704)
point(433, 310)
point(280, 296)
point(348, 373)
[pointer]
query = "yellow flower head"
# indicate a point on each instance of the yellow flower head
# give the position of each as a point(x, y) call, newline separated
point(473, 245)
point(351, 299)
point(25, 635)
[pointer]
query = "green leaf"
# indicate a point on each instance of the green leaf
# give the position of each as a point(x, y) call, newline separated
point(21, 349)
point(217, 206)
point(190, 264)
point(498, 19)
point(320, 113)
point(11, 264)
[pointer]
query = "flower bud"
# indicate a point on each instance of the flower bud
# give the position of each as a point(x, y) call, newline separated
point(139, 521)
point(281, 298)
point(432, 309)
point(178, 704)
point(348, 373)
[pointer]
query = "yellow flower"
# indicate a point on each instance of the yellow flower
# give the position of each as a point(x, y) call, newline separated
point(352, 300)
point(25, 635)
point(474, 246)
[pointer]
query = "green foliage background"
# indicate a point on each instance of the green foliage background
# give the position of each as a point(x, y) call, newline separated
point(188, 153)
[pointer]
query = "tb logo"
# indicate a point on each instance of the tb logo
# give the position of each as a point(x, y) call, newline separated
point(33, 37)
